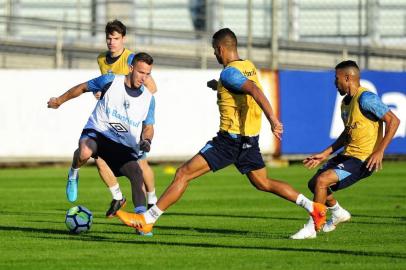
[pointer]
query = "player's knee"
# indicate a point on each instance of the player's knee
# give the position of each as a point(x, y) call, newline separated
point(84, 154)
point(322, 182)
point(181, 175)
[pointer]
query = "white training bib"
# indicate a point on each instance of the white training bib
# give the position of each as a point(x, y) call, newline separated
point(119, 116)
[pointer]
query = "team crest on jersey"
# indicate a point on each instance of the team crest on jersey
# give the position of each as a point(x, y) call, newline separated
point(118, 127)
point(126, 104)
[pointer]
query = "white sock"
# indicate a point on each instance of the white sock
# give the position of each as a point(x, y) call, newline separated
point(151, 197)
point(305, 203)
point(73, 173)
point(152, 214)
point(116, 192)
point(335, 208)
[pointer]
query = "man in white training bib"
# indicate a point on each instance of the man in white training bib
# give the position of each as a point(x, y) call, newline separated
point(120, 128)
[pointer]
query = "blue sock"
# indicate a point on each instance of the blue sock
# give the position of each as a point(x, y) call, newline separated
point(140, 209)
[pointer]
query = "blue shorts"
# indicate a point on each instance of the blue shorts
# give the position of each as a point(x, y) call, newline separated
point(226, 149)
point(115, 154)
point(348, 169)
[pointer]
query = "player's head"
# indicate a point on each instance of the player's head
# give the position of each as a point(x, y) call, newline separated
point(224, 40)
point(140, 69)
point(347, 76)
point(115, 36)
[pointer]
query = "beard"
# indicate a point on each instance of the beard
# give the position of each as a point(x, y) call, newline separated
point(219, 60)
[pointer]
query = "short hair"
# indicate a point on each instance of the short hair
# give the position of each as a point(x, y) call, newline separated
point(142, 57)
point(223, 34)
point(116, 26)
point(347, 64)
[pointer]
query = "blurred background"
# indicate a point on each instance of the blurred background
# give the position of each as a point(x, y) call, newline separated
point(48, 46)
point(294, 34)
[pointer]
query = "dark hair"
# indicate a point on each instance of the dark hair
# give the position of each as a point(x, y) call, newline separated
point(142, 57)
point(347, 64)
point(222, 34)
point(116, 26)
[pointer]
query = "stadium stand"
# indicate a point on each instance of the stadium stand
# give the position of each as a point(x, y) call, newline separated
point(313, 34)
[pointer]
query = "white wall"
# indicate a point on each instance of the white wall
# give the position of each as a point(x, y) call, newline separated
point(186, 114)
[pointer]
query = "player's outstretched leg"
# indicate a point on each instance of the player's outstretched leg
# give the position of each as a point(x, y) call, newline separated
point(87, 146)
point(317, 211)
point(192, 169)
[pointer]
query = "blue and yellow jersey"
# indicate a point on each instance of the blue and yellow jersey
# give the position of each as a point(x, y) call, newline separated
point(239, 112)
point(362, 120)
point(117, 65)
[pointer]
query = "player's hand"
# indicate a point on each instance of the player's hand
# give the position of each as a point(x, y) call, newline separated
point(277, 129)
point(212, 84)
point(375, 161)
point(53, 103)
point(97, 95)
point(314, 160)
point(145, 145)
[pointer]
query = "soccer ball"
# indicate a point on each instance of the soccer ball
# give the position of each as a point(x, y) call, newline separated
point(78, 219)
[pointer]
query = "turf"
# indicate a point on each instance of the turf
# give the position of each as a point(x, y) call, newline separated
point(220, 223)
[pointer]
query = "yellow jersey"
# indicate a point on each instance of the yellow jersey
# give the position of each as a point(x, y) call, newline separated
point(364, 134)
point(239, 112)
point(119, 67)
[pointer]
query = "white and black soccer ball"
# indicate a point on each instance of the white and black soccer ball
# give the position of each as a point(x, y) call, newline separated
point(78, 219)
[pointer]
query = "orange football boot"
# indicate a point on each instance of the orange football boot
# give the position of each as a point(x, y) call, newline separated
point(319, 215)
point(134, 220)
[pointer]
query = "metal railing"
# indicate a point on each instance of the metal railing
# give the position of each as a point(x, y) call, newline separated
point(284, 31)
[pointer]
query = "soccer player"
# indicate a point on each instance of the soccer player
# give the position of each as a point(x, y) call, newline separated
point(116, 60)
point(363, 114)
point(120, 128)
point(241, 102)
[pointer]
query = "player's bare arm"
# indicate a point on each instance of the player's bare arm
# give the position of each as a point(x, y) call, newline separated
point(391, 126)
point(147, 132)
point(252, 89)
point(74, 92)
point(314, 160)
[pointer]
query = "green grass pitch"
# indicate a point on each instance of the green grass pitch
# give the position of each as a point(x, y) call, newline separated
point(221, 222)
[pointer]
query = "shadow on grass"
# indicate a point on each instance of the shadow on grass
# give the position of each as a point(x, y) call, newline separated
point(230, 216)
point(49, 231)
point(401, 218)
point(63, 235)
point(230, 233)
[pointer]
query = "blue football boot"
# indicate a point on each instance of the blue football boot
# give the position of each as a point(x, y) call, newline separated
point(72, 188)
